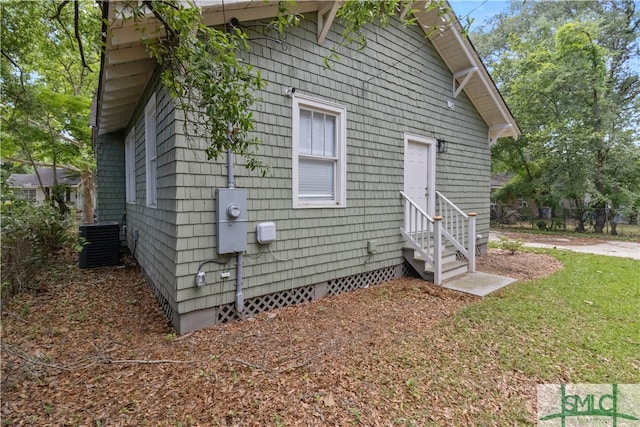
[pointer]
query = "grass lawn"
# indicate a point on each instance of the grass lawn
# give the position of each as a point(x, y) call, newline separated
point(579, 325)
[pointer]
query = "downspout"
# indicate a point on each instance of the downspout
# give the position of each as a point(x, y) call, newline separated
point(231, 184)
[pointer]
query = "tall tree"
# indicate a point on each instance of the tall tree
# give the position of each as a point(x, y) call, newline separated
point(201, 66)
point(46, 89)
point(567, 71)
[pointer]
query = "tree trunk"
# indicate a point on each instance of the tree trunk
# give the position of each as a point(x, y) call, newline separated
point(580, 227)
point(58, 201)
point(87, 196)
point(614, 225)
point(601, 219)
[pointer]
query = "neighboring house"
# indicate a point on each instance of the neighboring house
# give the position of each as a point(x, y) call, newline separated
point(331, 217)
point(523, 208)
point(514, 210)
point(27, 187)
point(498, 181)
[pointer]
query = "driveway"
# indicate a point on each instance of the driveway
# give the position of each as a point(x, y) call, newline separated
point(623, 249)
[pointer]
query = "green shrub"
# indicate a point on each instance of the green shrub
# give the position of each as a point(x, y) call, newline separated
point(512, 246)
point(31, 234)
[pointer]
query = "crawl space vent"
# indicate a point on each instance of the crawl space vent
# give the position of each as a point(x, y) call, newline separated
point(101, 248)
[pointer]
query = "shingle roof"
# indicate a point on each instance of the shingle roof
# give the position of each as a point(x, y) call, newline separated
point(498, 180)
point(64, 176)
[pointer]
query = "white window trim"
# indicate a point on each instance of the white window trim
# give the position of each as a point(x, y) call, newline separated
point(340, 111)
point(150, 146)
point(130, 165)
point(26, 194)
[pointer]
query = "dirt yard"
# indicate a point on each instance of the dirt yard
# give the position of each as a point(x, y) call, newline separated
point(94, 349)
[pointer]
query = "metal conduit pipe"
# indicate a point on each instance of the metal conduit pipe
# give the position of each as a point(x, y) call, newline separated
point(231, 184)
point(239, 295)
point(230, 180)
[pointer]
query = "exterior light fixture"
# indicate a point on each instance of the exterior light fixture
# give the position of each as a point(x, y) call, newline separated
point(442, 145)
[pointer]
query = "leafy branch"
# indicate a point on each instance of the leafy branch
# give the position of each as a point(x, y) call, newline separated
point(209, 81)
point(356, 14)
point(206, 76)
point(76, 28)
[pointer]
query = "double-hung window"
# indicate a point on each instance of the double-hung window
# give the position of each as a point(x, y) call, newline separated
point(130, 165)
point(26, 193)
point(150, 151)
point(319, 153)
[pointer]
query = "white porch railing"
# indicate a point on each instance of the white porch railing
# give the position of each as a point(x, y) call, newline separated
point(459, 228)
point(425, 233)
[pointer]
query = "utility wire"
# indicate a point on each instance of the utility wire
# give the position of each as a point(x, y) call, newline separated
point(420, 47)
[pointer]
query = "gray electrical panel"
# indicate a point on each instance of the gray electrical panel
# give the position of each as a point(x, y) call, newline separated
point(231, 227)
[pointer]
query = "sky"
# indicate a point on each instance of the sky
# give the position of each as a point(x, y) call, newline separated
point(480, 10)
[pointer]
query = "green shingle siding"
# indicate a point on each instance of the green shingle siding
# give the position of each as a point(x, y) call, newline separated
point(110, 176)
point(406, 89)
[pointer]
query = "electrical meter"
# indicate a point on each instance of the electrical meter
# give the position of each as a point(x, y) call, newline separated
point(233, 211)
point(232, 217)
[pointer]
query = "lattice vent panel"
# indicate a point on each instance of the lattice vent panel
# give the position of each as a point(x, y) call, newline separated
point(164, 303)
point(461, 257)
point(252, 306)
point(226, 313)
point(409, 271)
point(364, 280)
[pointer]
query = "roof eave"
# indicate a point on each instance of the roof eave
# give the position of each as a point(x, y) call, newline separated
point(485, 97)
point(127, 68)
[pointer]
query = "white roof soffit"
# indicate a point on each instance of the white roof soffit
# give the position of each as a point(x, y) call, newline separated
point(469, 73)
point(128, 67)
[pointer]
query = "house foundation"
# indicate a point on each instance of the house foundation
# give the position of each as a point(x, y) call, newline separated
point(199, 319)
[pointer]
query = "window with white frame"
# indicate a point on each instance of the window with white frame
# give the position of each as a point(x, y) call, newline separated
point(130, 165)
point(319, 153)
point(150, 151)
point(25, 194)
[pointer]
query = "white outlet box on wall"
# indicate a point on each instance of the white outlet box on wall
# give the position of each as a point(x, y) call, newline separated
point(266, 232)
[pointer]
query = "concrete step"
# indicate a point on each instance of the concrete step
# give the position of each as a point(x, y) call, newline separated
point(447, 256)
point(451, 267)
point(450, 270)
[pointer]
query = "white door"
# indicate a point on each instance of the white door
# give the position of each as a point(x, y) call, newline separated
point(419, 171)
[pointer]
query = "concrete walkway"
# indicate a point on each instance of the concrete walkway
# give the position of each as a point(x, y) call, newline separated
point(623, 249)
point(478, 283)
point(482, 284)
